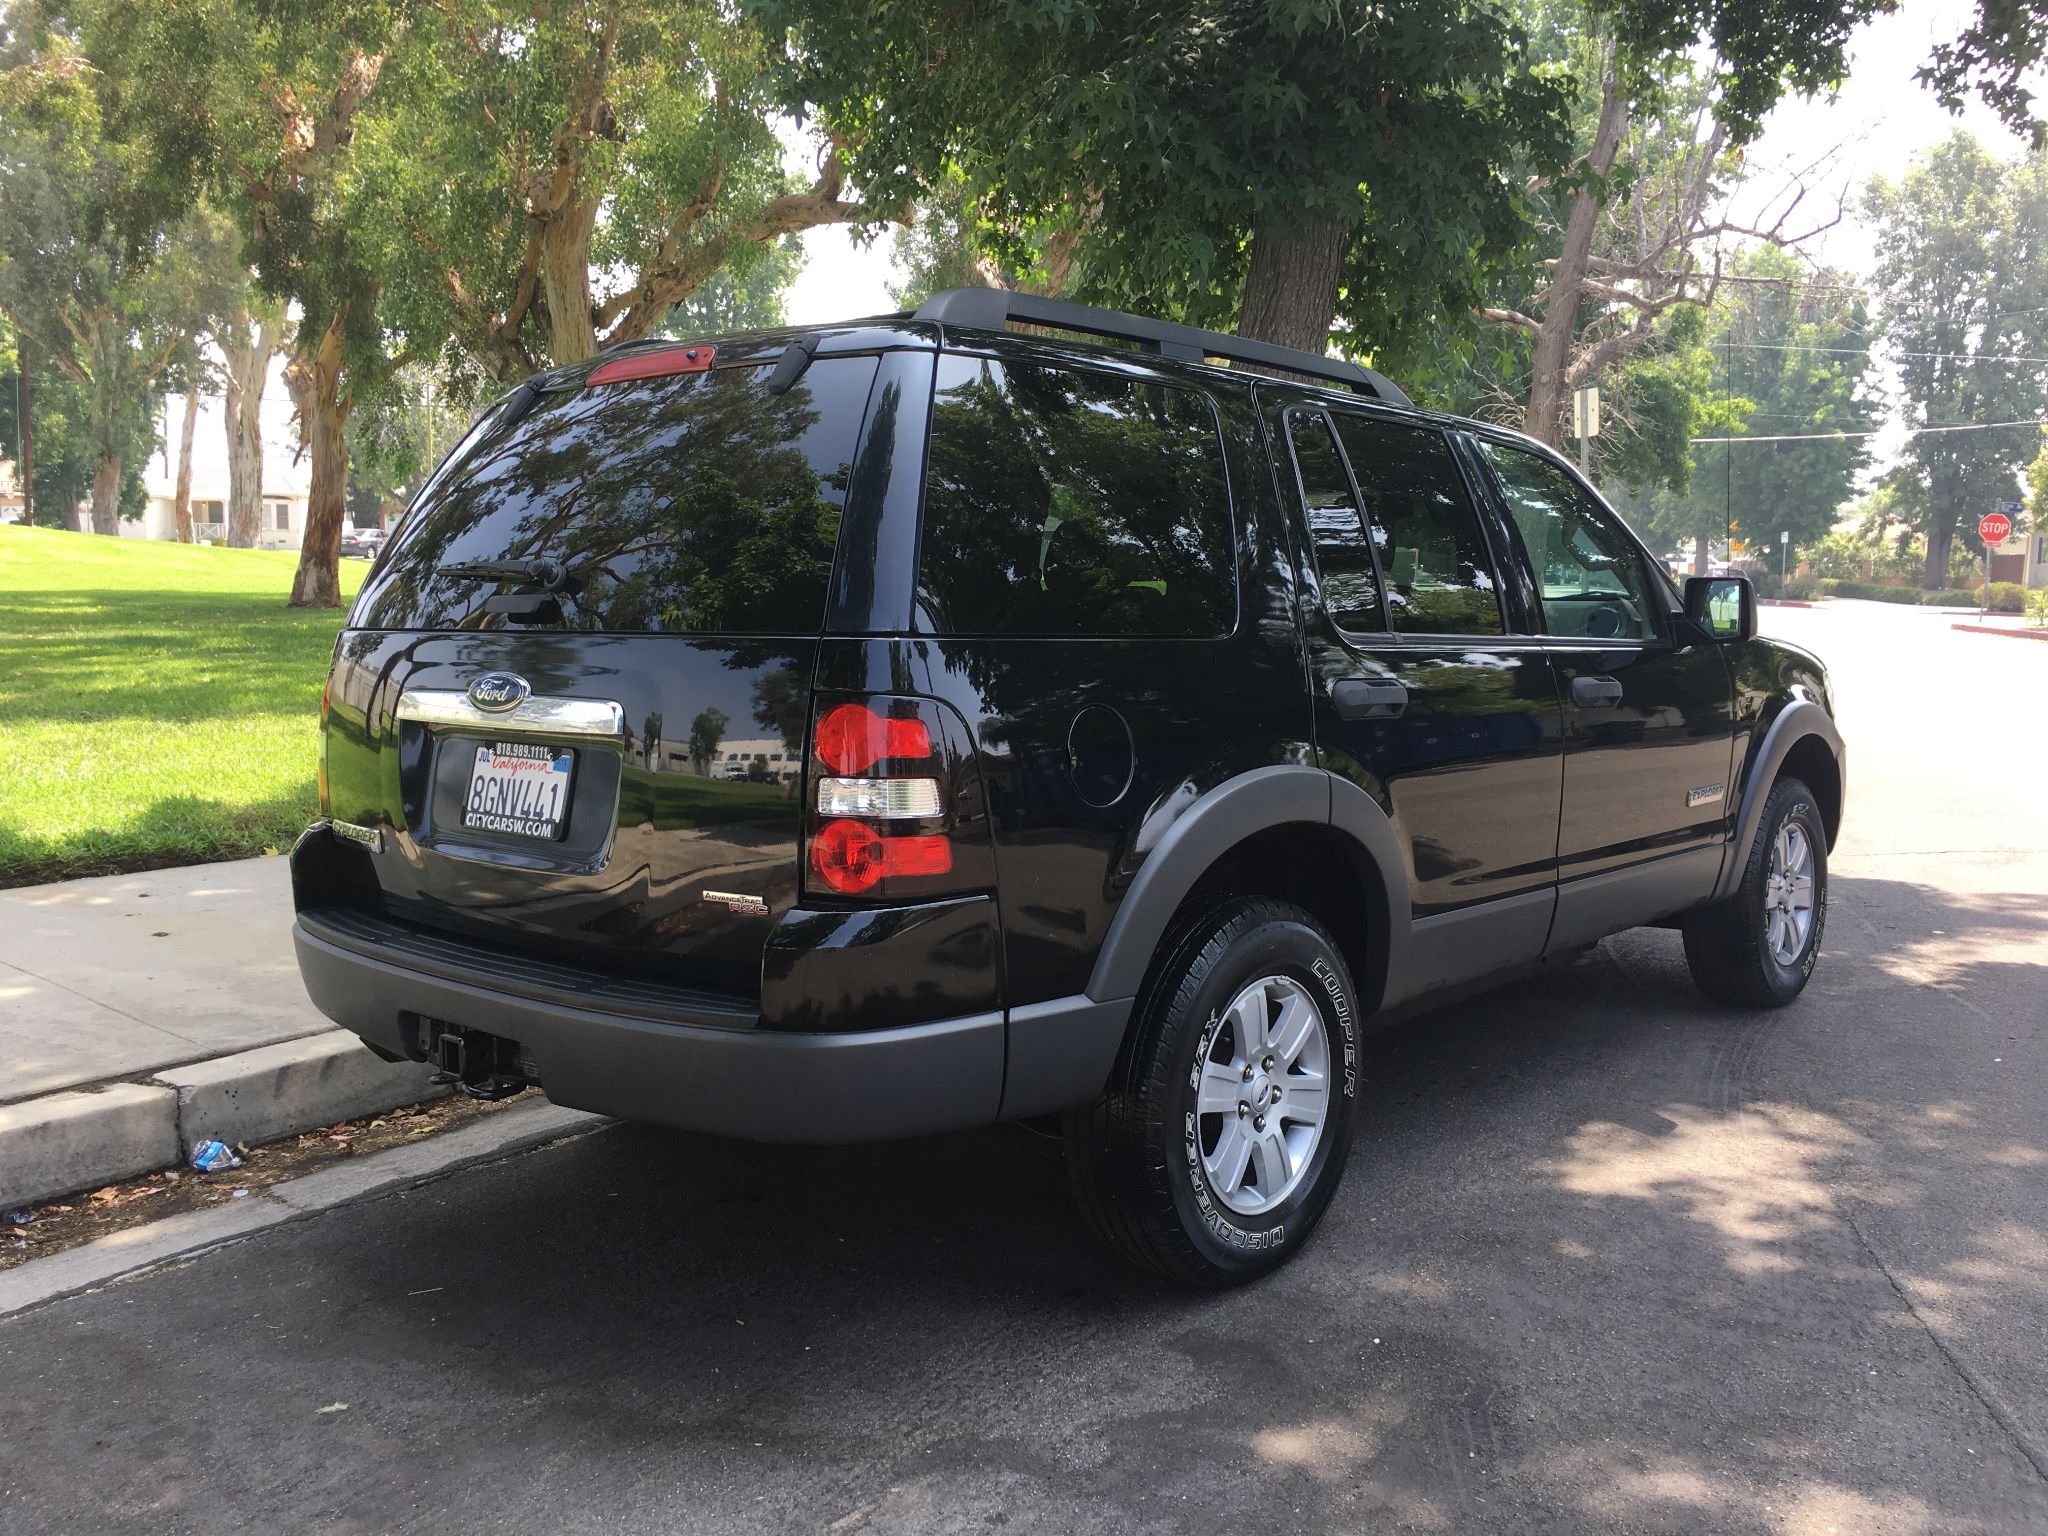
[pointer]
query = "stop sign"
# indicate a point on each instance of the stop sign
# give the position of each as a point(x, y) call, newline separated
point(1994, 528)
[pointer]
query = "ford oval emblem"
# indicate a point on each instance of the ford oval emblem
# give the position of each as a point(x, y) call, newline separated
point(499, 691)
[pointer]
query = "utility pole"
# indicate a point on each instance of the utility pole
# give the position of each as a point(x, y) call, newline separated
point(1785, 552)
point(1586, 422)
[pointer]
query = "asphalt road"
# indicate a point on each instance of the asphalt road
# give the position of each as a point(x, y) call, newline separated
point(1608, 1258)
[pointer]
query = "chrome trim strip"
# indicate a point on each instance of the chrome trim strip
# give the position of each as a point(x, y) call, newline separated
point(593, 719)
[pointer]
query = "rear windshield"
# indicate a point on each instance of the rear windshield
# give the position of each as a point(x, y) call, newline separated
point(1064, 501)
point(698, 503)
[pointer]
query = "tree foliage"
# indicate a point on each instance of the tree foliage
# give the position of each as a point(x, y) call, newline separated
point(1785, 353)
point(550, 180)
point(107, 281)
point(1963, 283)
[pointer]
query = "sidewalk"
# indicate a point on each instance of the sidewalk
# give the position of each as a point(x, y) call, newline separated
point(141, 1014)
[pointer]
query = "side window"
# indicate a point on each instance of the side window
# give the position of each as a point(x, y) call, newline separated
point(1587, 568)
point(1351, 589)
point(1440, 578)
point(1066, 501)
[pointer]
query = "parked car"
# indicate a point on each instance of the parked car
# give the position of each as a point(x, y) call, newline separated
point(1164, 726)
point(361, 543)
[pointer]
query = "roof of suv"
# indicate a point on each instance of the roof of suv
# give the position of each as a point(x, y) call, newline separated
point(994, 310)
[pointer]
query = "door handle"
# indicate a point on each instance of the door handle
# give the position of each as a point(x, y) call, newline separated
point(1358, 698)
point(1595, 692)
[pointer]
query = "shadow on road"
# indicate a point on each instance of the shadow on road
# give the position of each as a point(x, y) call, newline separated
point(1596, 1266)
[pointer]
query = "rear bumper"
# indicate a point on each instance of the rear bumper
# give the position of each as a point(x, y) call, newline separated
point(757, 1084)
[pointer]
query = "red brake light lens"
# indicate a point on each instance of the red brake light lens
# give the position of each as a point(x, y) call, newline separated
point(655, 363)
point(852, 738)
point(852, 858)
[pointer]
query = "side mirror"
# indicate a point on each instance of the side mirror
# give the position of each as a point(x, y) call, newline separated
point(1723, 608)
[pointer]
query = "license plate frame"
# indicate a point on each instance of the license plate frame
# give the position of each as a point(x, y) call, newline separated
point(519, 789)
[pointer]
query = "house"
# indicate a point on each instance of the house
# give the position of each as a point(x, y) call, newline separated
point(287, 474)
point(2023, 558)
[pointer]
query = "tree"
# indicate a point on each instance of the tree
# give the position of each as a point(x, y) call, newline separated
point(395, 438)
point(1793, 349)
point(1215, 162)
point(1962, 282)
point(1288, 168)
point(99, 277)
point(260, 105)
point(64, 442)
point(739, 299)
point(248, 337)
point(706, 732)
point(551, 181)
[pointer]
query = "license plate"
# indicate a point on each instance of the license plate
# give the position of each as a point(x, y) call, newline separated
point(519, 788)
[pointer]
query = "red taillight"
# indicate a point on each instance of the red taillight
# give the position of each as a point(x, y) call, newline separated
point(852, 858)
point(654, 363)
point(852, 738)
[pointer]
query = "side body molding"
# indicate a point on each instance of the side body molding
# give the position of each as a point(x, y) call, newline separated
point(1797, 720)
point(1252, 802)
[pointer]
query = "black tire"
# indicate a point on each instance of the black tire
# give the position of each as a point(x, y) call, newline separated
point(1727, 946)
point(1135, 1156)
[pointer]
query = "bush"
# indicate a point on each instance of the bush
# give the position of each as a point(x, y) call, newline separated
point(1950, 597)
point(2002, 597)
point(1870, 591)
point(2037, 607)
point(1801, 588)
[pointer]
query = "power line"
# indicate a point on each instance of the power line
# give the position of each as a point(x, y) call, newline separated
point(1968, 357)
point(1835, 437)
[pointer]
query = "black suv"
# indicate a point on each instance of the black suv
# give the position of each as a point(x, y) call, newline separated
point(884, 729)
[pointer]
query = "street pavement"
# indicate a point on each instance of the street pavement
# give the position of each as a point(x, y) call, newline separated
point(1608, 1258)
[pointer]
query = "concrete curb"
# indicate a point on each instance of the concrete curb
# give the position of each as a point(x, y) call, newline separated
point(80, 1139)
point(128, 1255)
point(275, 1090)
point(2002, 629)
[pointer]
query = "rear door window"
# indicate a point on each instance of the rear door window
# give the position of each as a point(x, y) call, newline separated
point(1344, 566)
point(697, 504)
point(1067, 501)
point(1439, 575)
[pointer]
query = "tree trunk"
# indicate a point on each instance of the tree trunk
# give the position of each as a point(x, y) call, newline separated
point(1941, 538)
point(248, 354)
point(1290, 293)
point(1544, 419)
point(181, 503)
point(315, 382)
point(106, 494)
point(565, 281)
point(28, 434)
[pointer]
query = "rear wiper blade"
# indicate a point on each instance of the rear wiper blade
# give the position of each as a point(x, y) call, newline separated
point(548, 575)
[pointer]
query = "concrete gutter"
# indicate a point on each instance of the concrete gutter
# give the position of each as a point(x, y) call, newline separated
point(125, 1255)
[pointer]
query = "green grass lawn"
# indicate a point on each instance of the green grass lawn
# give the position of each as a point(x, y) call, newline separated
point(158, 703)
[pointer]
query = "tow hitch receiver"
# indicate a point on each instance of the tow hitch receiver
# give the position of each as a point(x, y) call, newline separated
point(483, 1066)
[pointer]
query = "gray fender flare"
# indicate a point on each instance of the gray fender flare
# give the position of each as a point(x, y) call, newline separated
point(1796, 721)
point(1209, 827)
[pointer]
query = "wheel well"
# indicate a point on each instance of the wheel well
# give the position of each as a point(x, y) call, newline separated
point(1318, 869)
point(1813, 764)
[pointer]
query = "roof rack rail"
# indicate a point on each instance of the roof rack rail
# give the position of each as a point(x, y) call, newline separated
point(992, 309)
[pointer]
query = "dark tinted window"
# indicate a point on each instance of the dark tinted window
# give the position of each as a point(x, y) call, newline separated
point(1068, 502)
point(1439, 577)
point(696, 503)
point(1351, 590)
point(1589, 570)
